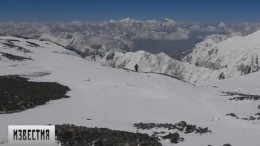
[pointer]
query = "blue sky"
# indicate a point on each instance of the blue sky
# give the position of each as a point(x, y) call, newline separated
point(207, 11)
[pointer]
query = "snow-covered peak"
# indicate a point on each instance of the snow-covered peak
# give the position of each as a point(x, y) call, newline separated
point(254, 36)
point(112, 21)
point(221, 25)
point(126, 20)
point(79, 23)
point(167, 20)
point(235, 55)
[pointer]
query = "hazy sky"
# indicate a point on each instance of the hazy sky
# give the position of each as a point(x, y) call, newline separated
point(207, 11)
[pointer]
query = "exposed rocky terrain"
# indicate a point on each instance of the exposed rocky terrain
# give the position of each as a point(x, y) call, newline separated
point(172, 131)
point(18, 94)
point(241, 96)
point(244, 97)
point(71, 135)
point(14, 57)
point(181, 126)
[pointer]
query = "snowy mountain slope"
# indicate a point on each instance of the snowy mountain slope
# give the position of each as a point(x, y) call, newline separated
point(218, 57)
point(159, 63)
point(117, 99)
point(234, 56)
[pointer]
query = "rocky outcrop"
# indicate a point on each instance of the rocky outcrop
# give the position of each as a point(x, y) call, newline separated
point(181, 126)
point(18, 94)
point(71, 135)
point(172, 131)
point(14, 57)
point(174, 137)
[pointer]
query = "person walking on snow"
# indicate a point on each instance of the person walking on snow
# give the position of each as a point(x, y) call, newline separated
point(136, 67)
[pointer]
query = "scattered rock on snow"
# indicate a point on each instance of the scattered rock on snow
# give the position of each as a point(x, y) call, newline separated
point(14, 57)
point(178, 127)
point(241, 96)
point(250, 118)
point(232, 115)
point(32, 44)
point(181, 126)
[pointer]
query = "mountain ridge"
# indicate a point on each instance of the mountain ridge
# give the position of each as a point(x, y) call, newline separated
point(214, 58)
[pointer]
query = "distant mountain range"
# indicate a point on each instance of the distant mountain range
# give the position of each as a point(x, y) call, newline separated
point(124, 43)
point(126, 35)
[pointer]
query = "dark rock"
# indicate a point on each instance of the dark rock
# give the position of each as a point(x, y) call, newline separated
point(241, 96)
point(257, 114)
point(244, 69)
point(98, 143)
point(244, 118)
point(221, 76)
point(190, 128)
point(162, 132)
point(23, 37)
point(110, 56)
point(33, 44)
point(181, 125)
point(251, 118)
point(174, 138)
point(70, 135)
point(10, 44)
point(203, 130)
point(145, 126)
point(18, 94)
point(227, 144)
point(14, 57)
point(232, 115)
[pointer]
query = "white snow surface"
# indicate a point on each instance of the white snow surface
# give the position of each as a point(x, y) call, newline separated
point(158, 63)
point(116, 98)
point(228, 55)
